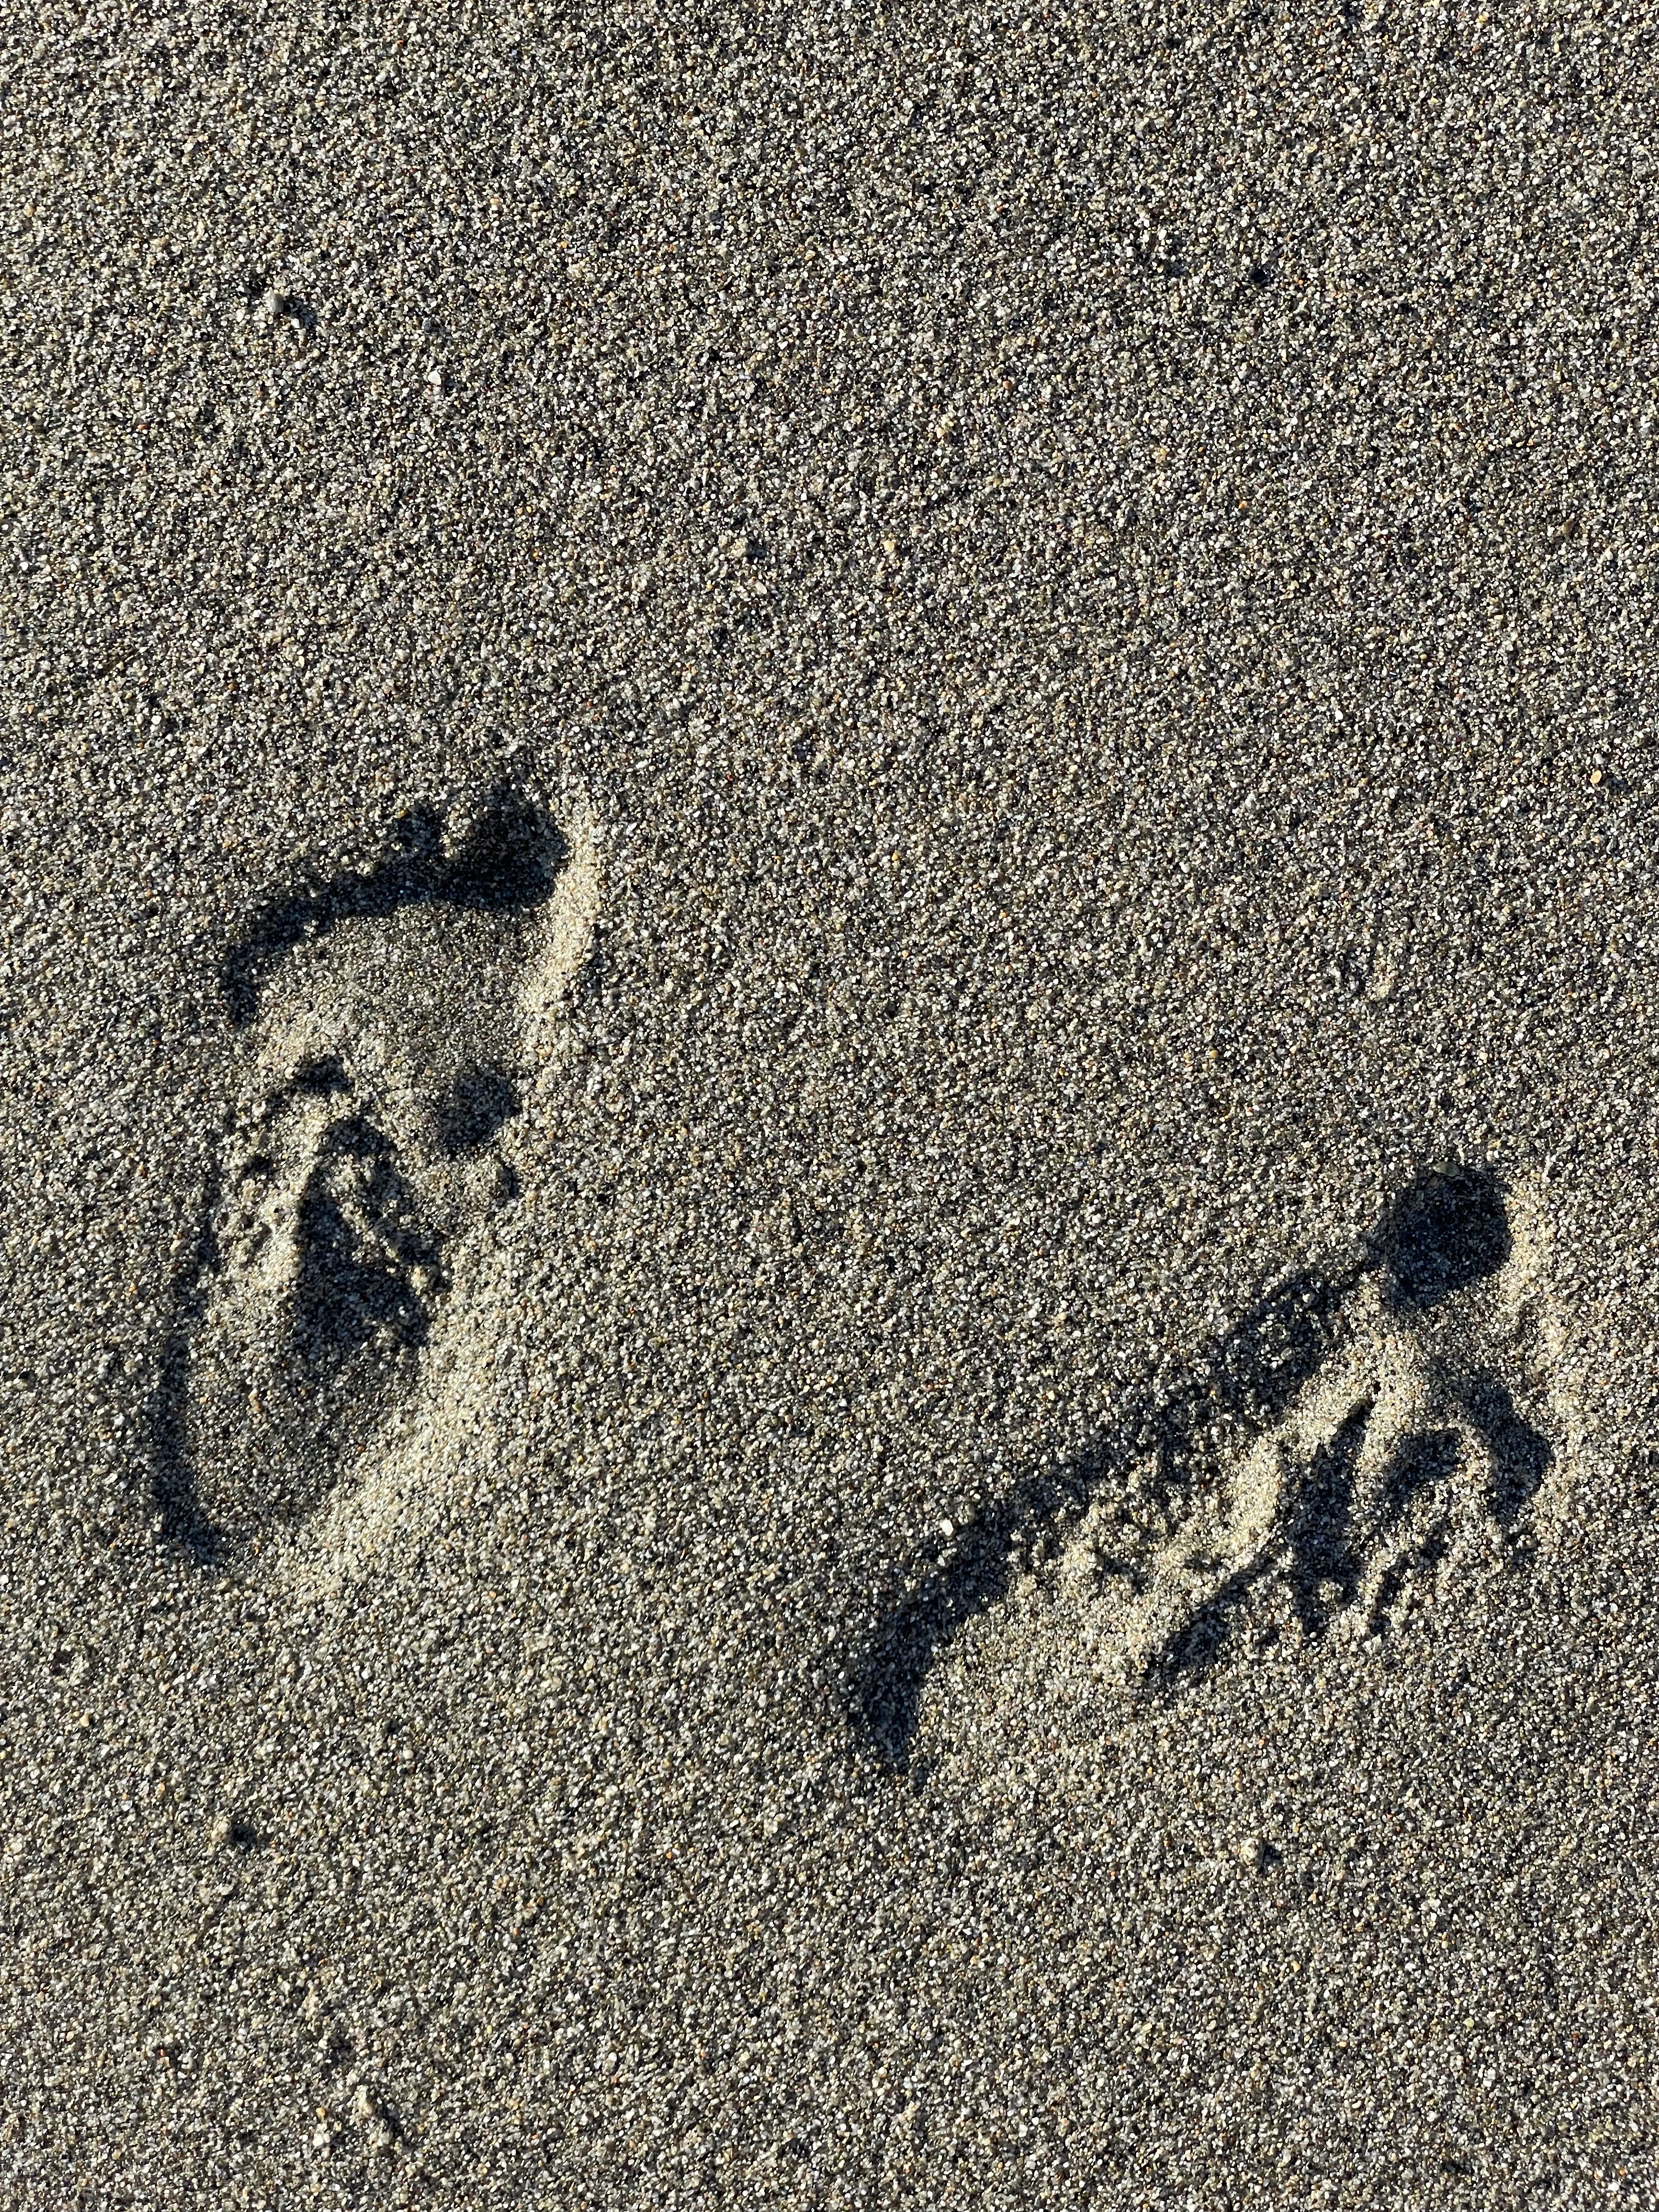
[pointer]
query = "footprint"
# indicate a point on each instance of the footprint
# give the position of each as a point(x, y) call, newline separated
point(1405, 1457)
point(396, 1024)
point(1367, 1435)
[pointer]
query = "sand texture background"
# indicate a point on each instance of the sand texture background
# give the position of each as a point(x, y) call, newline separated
point(829, 1137)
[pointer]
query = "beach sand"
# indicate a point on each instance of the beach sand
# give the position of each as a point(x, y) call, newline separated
point(830, 1138)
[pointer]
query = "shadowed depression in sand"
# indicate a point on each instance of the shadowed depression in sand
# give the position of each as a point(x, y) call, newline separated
point(398, 1022)
point(1373, 1430)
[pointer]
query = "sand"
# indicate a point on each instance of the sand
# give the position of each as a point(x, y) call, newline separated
point(830, 1141)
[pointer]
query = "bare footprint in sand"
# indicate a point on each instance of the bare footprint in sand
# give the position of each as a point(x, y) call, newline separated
point(1371, 1436)
point(397, 1021)
point(1416, 1451)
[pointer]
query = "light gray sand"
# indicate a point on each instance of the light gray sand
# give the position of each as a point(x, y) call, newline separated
point(1083, 589)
